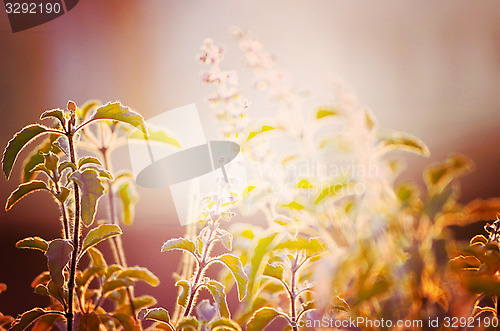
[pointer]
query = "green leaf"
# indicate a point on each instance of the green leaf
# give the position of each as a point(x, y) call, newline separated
point(217, 290)
point(24, 320)
point(127, 322)
point(128, 196)
point(234, 265)
point(45, 322)
point(159, 136)
point(66, 164)
point(438, 176)
point(185, 290)
point(223, 324)
point(87, 322)
point(17, 143)
point(311, 246)
point(188, 324)
point(155, 314)
point(97, 257)
point(264, 245)
point(23, 190)
point(179, 244)
point(115, 284)
point(405, 142)
point(264, 128)
point(63, 195)
point(88, 160)
point(35, 157)
point(57, 292)
point(56, 113)
point(115, 111)
point(87, 107)
point(58, 254)
point(261, 318)
point(144, 301)
point(305, 184)
point(324, 112)
point(247, 190)
point(274, 270)
point(98, 234)
point(91, 191)
point(294, 205)
point(138, 273)
point(33, 243)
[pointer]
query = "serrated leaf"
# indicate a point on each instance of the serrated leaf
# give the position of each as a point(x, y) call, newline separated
point(112, 285)
point(179, 244)
point(234, 265)
point(88, 160)
point(138, 273)
point(127, 322)
point(55, 113)
point(247, 190)
point(58, 254)
point(185, 286)
point(479, 240)
point(17, 143)
point(223, 324)
point(35, 157)
point(33, 243)
point(23, 190)
point(24, 320)
point(155, 314)
point(274, 270)
point(98, 234)
point(294, 205)
point(324, 112)
point(304, 183)
point(261, 318)
point(128, 196)
point(264, 128)
point(188, 324)
point(91, 191)
point(87, 322)
point(115, 111)
point(159, 136)
point(217, 290)
point(405, 142)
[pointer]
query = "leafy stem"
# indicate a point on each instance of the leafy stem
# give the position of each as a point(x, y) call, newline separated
point(76, 238)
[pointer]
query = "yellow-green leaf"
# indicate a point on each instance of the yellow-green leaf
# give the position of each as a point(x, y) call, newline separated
point(438, 176)
point(24, 320)
point(159, 136)
point(56, 113)
point(247, 190)
point(35, 157)
point(91, 191)
point(185, 290)
point(274, 270)
point(223, 324)
point(138, 273)
point(217, 290)
point(311, 246)
point(33, 243)
point(179, 244)
point(330, 191)
point(128, 196)
point(127, 322)
point(58, 254)
point(115, 284)
point(261, 318)
point(17, 143)
point(87, 160)
point(305, 184)
point(115, 111)
point(234, 265)
point(98, 234)
point(155, 314)
point(23, 190)
point(188, 324)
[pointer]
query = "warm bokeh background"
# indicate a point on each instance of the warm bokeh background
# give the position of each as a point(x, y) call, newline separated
point(425, 67)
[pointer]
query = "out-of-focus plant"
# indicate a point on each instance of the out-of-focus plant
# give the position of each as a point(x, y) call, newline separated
point(4, 319)
point(76, 183)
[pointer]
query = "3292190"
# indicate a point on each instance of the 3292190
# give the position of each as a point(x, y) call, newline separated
point(32, 8)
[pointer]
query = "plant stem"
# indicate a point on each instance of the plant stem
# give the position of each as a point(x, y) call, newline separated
point(293, 295)
point(116, 242)
point(199, 273)
point(76, 240)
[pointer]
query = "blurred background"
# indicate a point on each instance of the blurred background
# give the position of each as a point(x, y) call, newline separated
point(428, 68)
